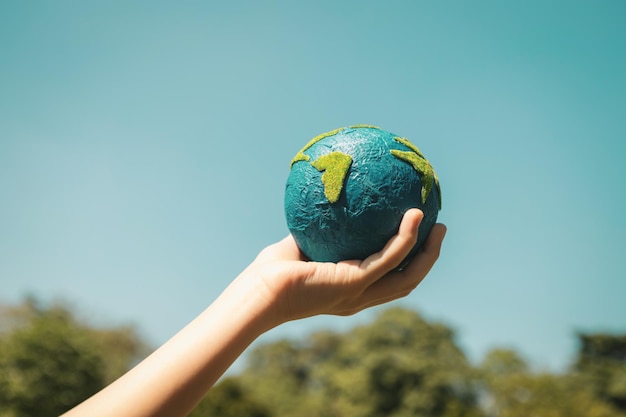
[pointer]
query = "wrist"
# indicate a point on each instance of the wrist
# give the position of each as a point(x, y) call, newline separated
point(250, 304)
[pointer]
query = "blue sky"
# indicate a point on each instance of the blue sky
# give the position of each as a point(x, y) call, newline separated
point(144, 149)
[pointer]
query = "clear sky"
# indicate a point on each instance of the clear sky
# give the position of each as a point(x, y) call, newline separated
point(145, 145)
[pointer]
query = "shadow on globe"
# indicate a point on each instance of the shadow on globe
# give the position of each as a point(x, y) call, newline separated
point(348, 189)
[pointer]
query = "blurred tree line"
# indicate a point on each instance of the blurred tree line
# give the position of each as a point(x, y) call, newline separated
point(399, 365)
point(51, 361)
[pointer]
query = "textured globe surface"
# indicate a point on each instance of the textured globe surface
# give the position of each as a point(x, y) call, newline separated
point(348, 189)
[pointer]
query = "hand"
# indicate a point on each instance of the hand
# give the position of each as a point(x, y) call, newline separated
point(299, 289)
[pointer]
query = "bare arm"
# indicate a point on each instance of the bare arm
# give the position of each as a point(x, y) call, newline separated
point(277, 287)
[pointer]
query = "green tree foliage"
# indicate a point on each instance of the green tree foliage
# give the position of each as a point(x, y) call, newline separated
point(49, 361)
point(602, 363)
point(510, 389)
point(229, 399)
point(400, 365)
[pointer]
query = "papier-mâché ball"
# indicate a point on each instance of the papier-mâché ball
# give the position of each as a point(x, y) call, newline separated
point(348, 189)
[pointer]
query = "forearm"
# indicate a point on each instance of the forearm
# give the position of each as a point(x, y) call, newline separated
point(175, 377)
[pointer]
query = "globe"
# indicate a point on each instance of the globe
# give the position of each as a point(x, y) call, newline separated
point(348, 189)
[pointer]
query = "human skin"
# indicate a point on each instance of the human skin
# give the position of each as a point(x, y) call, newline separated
point(277, 287)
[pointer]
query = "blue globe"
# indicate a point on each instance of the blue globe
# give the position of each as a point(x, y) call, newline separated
point(348, 189)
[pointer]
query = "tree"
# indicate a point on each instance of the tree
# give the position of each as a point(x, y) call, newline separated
point(511, 389)
point(49, 361)
point(602, 363)
point(400, 365)
point(229, 399)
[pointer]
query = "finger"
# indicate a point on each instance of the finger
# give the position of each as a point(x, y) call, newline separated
point(396, 249)
point(422, 263)
point(398, 284)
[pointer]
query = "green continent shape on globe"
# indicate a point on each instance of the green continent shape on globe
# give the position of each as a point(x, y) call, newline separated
point(335, 166)
point(420, 164)
point(300, 156)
